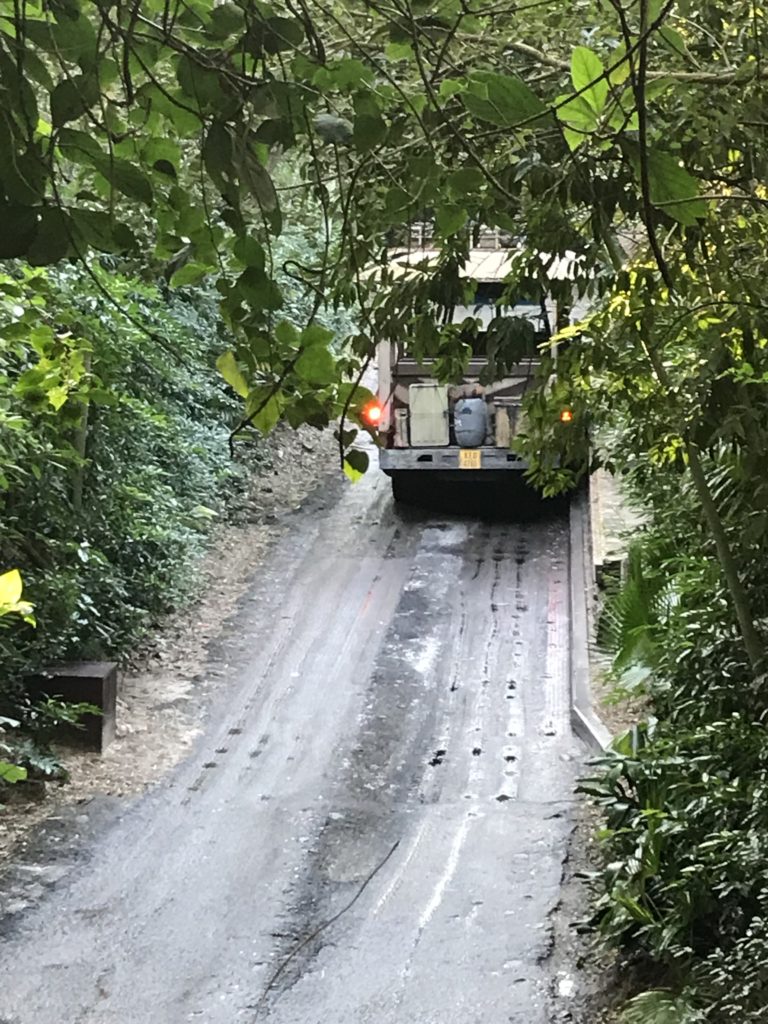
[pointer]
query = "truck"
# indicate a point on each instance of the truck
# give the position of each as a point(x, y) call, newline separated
point(463, 430)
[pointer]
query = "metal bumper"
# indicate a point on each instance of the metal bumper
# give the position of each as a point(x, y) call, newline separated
point(492, 459)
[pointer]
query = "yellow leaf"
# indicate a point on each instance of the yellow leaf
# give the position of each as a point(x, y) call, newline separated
point(230, 371)
point(10, 587)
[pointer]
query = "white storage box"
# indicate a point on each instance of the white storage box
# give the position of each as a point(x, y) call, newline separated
point(428, 419)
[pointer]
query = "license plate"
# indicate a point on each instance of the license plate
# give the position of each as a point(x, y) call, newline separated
point(470, 458)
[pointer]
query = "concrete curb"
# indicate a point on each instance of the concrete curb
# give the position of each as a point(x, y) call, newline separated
point(585, 721)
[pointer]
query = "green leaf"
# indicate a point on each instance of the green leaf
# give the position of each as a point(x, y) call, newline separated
point(675, 42)
point(79, 147)
point(283, 34)
point(19, 229)
point(316, 334)
point(227, 366)
point(349, 73)
point(574, 138)
point(249, 252)
point(466, 181)
point(23, 169)
point(12, 773)
point(397, 205)
point(203, 86)
point(53, 239)
point(190, 273)
point(257, 288)
point(368, 132)
point(255, 177)
point(672, 188)
point(217, 154)
point(172, 105)
point(450, 219)
point(621, 72)
point(356, 464)
point(398, 51)
point(450, 87)
point(71, 39)
point(108, 72)
point(163, 155)
point(226, 19)
point(586, 72)
point(577, 113)
point(503, 100)
point(316, 365)
point(657, 88)
point(513, 98)
point(99, 231)
point(287, 334)
point(57, 396)
point(36, 69)
point(125, 178)
point(269, 409)
point(72, 98)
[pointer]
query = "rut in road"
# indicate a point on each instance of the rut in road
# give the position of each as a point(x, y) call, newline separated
point(373, 827)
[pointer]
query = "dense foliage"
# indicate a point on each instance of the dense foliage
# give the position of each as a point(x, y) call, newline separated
point(113, 456)
point(684, 792)
point(628, 137)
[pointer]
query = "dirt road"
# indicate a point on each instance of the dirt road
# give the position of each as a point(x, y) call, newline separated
point(392, 754)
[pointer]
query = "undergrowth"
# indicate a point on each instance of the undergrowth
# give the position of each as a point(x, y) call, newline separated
point(684, 793)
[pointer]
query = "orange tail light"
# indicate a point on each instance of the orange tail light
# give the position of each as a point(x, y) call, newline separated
point(372, 413)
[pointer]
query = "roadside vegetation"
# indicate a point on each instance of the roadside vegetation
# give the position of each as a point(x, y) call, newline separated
point(153, 156)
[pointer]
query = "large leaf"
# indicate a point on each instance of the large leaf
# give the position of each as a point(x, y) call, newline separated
point(503, 100)
point(78, 146)
point(673, 189)
point(316, 365)
point(23, 171)
point(125, 178)
point(19, 229)
point(450, 219)
point(513, 98)
point(356, 464)
point(256, 179)
point(53, 239)
point(163, 155)
point(586, 74)
point(12, 773)
point(71, 37)
point(202, 85)
point(227, 366)
point(264, 410)
point(368, 132)
point(73, 97)
point(218, 154)
point(99, 230)
point(190, 273)
point(578, 118)
point(11, 587)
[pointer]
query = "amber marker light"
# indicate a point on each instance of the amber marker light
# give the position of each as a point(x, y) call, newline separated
point(566, 416)
point(372, 413)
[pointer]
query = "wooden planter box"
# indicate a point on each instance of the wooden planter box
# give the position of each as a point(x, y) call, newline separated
point(77, 682)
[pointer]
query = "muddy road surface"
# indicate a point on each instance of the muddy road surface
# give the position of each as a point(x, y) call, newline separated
point(373, 827)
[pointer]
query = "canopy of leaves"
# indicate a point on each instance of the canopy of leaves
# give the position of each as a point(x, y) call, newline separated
point(158, 130)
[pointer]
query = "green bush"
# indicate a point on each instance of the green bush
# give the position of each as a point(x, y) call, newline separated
point(113, 455)
point(685, 793)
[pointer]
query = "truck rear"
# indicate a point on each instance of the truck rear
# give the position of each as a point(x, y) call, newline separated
point(464, 429)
